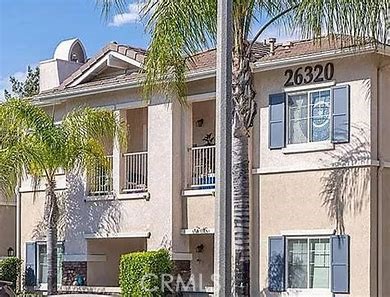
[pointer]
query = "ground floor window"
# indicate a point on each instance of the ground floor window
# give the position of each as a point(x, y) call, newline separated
point(42, 263)
point(308, 263)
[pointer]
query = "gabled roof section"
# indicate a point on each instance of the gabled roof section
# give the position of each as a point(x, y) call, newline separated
point(116, 56)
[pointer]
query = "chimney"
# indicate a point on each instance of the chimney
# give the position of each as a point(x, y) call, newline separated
point(272, 42)
point(68, 57)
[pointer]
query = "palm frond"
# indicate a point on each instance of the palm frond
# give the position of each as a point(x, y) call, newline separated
point(111, 6)
point(87, 131)
point(361, 20)
point(178, 29)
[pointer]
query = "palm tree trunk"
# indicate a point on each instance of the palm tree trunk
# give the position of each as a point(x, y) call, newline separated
point(244, 113)
point(51, 213)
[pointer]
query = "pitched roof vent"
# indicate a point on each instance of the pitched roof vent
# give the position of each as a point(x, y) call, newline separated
point(287, 44)
point(272, 42)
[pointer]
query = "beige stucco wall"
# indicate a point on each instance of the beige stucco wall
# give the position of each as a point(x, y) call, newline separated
point(297, 201)
point(105, 273)
point(356, 72)
point(199, 212)
point(137, 127)
point(290, 190)
point(385, 233)
point(7, 227)
point(202, 264)
point(205, 111)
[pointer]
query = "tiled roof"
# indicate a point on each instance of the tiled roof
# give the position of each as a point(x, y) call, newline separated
point(310, 47)
point(137, 54)
point(204, 60)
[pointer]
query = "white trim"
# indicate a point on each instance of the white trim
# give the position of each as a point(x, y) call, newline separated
point(97, 198)
point(310, 87)
point(329, 55)
point(202, 192)
point(308, 147)
point(201, 97)
point(195, 232)
point(12, 204)
point(182, 256)
point(310, 232)
point(297, 168)
point(90, 71)
point(127, 59)
point(117, 235)
point(105, 60)
point(134, 196)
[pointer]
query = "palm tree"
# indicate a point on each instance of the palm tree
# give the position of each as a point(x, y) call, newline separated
point(182, 28)
point(31, 141)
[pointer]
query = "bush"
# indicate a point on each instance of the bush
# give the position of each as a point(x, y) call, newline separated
point(141, 273)
point(10, 269)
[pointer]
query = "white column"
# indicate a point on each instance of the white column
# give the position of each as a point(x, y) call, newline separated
point(118, 169)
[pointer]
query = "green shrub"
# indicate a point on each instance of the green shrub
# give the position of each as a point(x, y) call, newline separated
point(141, 273)
point(10, 269)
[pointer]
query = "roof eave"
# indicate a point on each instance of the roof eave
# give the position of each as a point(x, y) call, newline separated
point(50, 99)
point(328, 55)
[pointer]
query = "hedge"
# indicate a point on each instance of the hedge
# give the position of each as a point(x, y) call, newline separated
point(10, 269)
point(141, 273)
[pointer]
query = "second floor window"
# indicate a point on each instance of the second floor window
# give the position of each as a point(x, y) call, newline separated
point(309, 116)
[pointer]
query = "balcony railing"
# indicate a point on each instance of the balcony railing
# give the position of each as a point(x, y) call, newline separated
point(100, 179)
point(136, 172)
point(203, 167)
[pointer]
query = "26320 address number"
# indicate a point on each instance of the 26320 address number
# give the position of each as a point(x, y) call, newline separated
point(309, 74)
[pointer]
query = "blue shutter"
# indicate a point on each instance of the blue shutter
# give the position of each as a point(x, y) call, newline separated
point(277, 108)
point(340, 264)
point(340, 114)
point(276, 264)
point(31, 264)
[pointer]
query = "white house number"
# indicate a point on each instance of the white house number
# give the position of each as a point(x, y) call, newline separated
point(309, 74)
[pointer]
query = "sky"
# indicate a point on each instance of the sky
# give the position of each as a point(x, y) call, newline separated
point(31, 29)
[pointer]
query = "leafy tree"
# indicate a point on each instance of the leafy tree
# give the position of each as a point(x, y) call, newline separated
point(176, 34)
point(24, 89)
point(30, 141)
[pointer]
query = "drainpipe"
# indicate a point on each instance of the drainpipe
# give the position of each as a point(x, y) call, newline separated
point(18, 229)
point(380, 185)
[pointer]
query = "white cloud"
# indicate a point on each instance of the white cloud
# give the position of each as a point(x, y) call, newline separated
point(133, 15)
point(6, 85)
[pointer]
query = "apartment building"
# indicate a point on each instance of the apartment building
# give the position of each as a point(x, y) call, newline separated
point(319, 170)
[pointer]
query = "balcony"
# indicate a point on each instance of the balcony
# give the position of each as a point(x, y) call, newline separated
point(100, 180)
point(136, 172)
point(203, 167)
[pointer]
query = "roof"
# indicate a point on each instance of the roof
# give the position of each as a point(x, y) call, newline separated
point(137, 54)
point(204, 61)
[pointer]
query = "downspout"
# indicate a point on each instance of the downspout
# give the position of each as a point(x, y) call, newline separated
point(379, 184)
point(18, 230)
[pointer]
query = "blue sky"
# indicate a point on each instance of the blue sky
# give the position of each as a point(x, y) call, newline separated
point(31, 29)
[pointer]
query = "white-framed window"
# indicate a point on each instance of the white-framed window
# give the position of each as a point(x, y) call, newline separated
point(309, 116)
point(42, 262)
point(308, 263)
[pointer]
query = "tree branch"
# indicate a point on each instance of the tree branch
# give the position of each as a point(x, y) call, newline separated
point(270, 22)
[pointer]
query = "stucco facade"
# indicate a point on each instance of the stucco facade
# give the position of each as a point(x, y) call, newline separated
point(310, 190)
point(7, 226)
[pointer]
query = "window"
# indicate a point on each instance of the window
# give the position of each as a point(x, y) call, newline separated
point(42, 263)
point(308, 263)
point(309, 117)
